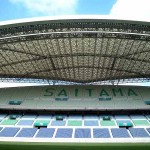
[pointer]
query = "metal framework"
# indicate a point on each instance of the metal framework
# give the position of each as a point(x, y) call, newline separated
point(76, 50)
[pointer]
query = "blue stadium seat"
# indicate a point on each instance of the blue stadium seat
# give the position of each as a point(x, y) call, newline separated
point(91, 123)
point(2, 116)
point(75, 117)
point(148, 129)
point(83, 133)
point(120, 133)
point(137, 116)
point(29, 116)
point(122, 117)
point(64, 133)
point(45, 133)
point(9, 132)
point(101, 133)
point(138, 132)
point(58, 123)
point(27, 132)
point(44, 117)
point(91, 117)
point(1, 128)
point(25, 122)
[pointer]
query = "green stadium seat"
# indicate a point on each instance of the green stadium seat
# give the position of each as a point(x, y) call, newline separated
point(141, 122)
point(40, 124)
point(9, 122)
point(74, 123)
point(107, 123)
point(13, 116)
point(125, 124)
point(15, 102)
point(106, 118)
point(59, 117)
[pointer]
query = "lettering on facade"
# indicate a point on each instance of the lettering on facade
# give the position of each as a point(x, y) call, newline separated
point(49, 92)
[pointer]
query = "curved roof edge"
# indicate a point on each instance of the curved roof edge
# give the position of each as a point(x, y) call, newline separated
point(41, 20)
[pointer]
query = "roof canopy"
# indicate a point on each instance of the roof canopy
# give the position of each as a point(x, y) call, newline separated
point(76, 50)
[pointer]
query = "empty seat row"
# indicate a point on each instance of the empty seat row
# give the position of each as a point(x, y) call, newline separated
point(34, 116)
point(29, 122)
point(79, 132)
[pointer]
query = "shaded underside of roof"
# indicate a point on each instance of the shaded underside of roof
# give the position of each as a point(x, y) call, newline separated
point(75, 50)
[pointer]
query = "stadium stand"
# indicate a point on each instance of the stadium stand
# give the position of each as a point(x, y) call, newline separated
point(41, 123)
point(136, 116)
point(120, 133)
point(74, 123)
point(107, 123)
point(85, 126)
point(58, 123)
point(45, 133)
point(40, 98)
point(148, 129)
point(9, 122)
point(91, 123)
point(124, 123)
point(1, 128)
point(29, 116)
point(101, 133)
point(9, 132)
point(141, 122)
point(2, 116)
point(92, 57)
point(44, 116)
point(75, 117)
point(90, 117)
point(121, 117)
point(82, 133)
point(138, 132)
point(25, 122)
point(64, 133)
point(27, 132)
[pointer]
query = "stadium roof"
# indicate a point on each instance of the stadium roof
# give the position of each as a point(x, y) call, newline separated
point(84, 50)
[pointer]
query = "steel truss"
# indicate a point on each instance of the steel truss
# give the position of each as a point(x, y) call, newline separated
point(80, 51)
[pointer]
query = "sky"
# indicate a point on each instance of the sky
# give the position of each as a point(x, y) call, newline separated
point(117, 9)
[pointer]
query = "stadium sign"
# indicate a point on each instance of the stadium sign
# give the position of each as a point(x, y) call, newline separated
point(89, 92)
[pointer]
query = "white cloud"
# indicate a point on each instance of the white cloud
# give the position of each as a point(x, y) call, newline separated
point(48, 7)
point(131, 9)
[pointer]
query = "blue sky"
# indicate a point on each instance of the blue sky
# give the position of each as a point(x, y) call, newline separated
point(122, 9)
point(16, 9)
point(102, 7)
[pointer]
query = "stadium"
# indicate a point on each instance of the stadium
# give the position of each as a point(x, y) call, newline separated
point(83, 99)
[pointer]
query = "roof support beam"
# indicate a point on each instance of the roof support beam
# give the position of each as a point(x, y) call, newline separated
point(73, 55)
point(64, 68)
